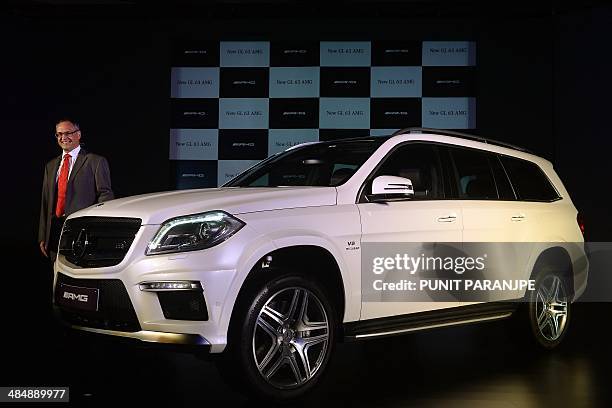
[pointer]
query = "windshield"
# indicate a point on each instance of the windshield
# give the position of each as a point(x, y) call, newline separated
point(320, 164)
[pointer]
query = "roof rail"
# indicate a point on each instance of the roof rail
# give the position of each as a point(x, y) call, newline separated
point(460, 135)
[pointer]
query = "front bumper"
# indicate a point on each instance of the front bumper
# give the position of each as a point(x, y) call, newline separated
point(144, 339)
point(151, 336)
point(214, 269)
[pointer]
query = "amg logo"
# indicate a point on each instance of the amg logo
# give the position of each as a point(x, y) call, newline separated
point(201, 113)
point(396, 51)
point(448, 81)
point(302, 113)
point(345, 82)
point(199, 175)
point(396, 113)
point(74, 296)
point(242, 144)
point(295, 51)
point(243, 83)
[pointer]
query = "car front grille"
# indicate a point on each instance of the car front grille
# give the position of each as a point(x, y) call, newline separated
point(115, 310)
point(94, 242)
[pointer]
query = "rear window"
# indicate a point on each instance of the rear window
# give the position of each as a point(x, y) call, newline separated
point(529, 181)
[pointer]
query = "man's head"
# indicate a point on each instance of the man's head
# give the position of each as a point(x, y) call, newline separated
point(68, 134)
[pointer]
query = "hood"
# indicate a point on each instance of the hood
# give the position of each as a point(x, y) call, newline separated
point(157, 207)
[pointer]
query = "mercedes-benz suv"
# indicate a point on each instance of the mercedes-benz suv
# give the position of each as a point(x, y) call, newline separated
point(271, 270)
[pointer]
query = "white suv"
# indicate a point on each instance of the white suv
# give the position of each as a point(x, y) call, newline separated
point(268, 270)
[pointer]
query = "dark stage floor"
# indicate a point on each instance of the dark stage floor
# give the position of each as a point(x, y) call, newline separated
point(470, 366)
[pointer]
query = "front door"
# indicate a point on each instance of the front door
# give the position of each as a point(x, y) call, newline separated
point(417, 222)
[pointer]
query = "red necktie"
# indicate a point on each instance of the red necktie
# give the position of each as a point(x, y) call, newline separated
point(62, 183)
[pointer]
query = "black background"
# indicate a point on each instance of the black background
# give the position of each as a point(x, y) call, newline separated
point(200, 54)
point(189, 173)
point(308, 109)
point(442, 81)
point(345, 82)
point(255, 144)
point(394, 112)
point(232, 83)
point(397, 52)
point(292, 54)
point(196, 113)
point(542, 82)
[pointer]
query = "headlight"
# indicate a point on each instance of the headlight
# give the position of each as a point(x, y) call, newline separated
point(193, 232)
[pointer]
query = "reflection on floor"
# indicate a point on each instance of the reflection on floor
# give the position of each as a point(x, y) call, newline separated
point(470, 366)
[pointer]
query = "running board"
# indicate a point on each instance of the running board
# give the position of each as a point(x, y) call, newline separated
point(391, 326)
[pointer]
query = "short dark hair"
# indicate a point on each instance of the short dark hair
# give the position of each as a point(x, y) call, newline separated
point(67, 119)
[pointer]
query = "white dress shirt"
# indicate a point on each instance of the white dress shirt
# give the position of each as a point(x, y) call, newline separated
point(74, 153)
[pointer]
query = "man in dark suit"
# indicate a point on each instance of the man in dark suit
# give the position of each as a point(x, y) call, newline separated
point(74, 180)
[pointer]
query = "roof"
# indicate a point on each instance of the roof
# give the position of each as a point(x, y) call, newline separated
point(460, 135)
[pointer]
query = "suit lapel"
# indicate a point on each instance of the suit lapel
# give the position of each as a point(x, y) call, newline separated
point(81, 158)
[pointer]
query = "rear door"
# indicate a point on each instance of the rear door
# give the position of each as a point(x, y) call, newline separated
point(496, 226)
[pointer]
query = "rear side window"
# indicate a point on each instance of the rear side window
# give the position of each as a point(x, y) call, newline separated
point(529, 181)
point(474, 175)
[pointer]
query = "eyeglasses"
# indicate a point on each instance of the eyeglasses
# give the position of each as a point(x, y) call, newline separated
point(60, 134)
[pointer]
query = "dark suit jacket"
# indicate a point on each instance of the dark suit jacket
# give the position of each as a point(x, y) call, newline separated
point(89, 183)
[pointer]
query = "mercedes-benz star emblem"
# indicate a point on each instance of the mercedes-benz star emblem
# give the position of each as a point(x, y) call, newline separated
point(79, 244)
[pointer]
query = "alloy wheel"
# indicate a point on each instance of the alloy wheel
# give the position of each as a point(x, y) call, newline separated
point(290, 338)
point(551, 307)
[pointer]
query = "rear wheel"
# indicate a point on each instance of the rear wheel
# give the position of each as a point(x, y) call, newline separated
point(549, 309)
point(284, 342)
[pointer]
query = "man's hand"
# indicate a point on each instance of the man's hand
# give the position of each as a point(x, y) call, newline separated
point(43, 249)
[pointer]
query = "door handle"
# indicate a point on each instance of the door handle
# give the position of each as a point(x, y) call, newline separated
point(448, 218)
point(518, 217)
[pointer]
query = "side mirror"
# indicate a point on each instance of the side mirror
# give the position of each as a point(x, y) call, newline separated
point(391, 187)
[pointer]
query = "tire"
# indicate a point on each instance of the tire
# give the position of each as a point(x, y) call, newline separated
point(549, 309)
point(282, 345)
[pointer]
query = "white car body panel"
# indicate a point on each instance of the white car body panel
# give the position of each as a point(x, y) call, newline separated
point(156, 208)
point(326, 217)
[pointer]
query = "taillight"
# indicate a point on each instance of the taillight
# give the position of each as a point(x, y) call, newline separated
point(580, 220)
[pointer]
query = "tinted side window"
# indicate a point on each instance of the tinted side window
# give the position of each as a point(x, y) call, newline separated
point(319, 164)
point(418, 162)
point(529, 181)
point(474, 176)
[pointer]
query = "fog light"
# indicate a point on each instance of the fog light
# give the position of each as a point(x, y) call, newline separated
point(158, 286)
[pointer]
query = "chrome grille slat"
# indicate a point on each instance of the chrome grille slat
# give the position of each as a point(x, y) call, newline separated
point(95, 242)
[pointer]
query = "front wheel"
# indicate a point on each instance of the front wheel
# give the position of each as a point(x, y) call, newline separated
point(286, 338)
point(549, 310)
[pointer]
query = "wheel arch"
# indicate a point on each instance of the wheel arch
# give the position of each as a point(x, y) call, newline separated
point(555, 259)
point(311, 261)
